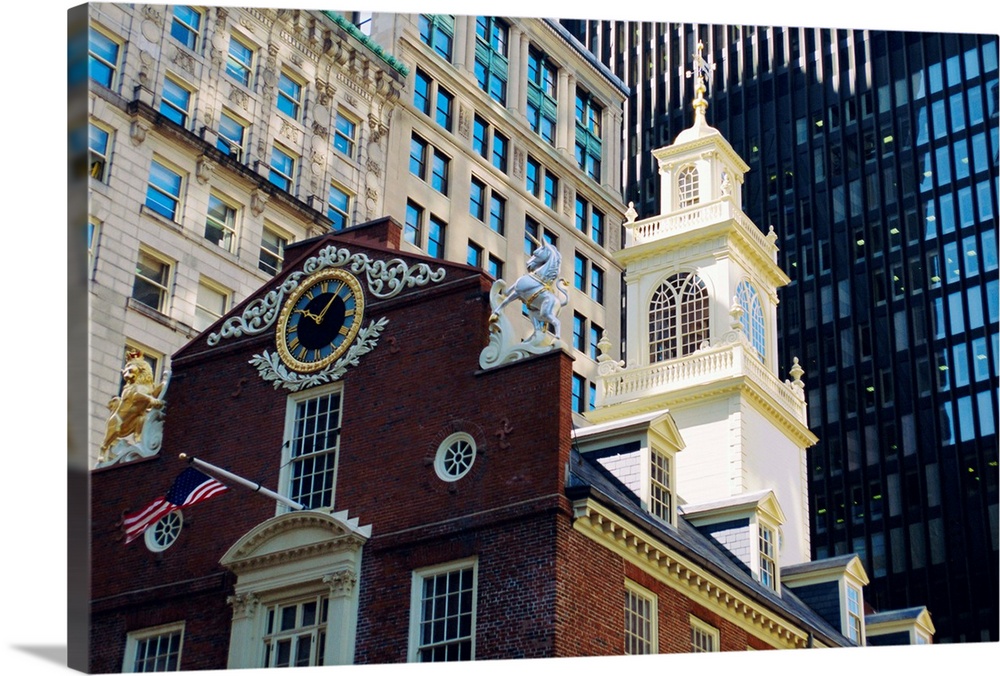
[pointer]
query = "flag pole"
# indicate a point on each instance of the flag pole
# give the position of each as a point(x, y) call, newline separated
point(256, 487)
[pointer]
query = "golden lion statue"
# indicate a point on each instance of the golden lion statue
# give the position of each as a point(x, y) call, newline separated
point(128, 411)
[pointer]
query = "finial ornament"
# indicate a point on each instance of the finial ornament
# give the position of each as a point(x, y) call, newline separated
point(701, 70)
point(797, 372)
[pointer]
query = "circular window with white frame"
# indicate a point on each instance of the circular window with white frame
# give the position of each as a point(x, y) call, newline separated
point(164, 532)
point(455, 456)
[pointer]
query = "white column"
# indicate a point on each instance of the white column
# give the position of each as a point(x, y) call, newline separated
point(515, 83)
point(460, 57)
point(244, 641)
point(342, 618)
point(566, 91)
point(521, 73)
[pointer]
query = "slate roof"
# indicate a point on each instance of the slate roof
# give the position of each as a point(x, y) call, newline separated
point(894, 615)
point(589, 479)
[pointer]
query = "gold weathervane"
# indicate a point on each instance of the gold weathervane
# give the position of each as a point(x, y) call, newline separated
point(702, 69)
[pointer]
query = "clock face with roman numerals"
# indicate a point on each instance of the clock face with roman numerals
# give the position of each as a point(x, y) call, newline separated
point(320, 320)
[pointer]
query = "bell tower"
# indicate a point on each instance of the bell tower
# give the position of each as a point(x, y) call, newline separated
point(701, 292)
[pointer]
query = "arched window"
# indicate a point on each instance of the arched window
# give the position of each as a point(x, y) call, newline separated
point(678, 317)
point(687, 186)
point(753, 316)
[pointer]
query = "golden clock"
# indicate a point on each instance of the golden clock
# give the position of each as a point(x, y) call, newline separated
point(319, 320)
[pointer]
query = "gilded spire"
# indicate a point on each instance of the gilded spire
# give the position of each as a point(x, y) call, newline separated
point(702, 69)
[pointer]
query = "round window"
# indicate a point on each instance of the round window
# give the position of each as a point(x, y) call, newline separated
point(164, 532)
point(455, 456)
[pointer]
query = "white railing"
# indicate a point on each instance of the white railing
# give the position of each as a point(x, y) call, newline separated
point(660, 227)
point(700, 368)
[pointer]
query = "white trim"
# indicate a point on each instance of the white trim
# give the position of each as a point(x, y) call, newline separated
point(134, 638)
point(654, 634)
point(707, 630)
point(285, 474)
point(416, 601)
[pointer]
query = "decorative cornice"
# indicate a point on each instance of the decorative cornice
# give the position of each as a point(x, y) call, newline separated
point(694, 581)
point(244, 605)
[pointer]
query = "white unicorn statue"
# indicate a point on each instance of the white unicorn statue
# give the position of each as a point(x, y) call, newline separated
point(543, 294)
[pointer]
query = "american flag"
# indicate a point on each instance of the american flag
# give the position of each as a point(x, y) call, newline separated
point(190, 487)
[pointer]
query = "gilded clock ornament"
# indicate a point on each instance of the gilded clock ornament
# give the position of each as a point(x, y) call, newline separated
point(320, 320)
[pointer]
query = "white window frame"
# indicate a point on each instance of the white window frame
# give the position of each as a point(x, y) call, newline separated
point(701, 629)
point(289, 459)
point(135, 638)
point(767, 562)
point(232, 60)
point(349, 140)
point(849, 617)
point(186, 26)
point(316, 632)
point(346, 211)
point(185, 112)
point(104, 158)
point(663, 510)
point(177, 199)
point(284, 239)
point(236, 150)
point(632, 638)
point(290, 177)
point(690, 315)
point(752, 320)
point(113, 67)
point(295, 103)
point(228, 228)
point(416, 603)
point(206, 316)
point(163, 286)
point(687, 186)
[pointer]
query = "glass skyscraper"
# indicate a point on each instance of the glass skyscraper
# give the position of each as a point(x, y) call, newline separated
point(874, 156)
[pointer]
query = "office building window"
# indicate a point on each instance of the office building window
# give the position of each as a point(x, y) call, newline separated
point(345, 134)
point(551, 197)
point(589, 220)
point(752, 319)
point(186, 26)
point(220, 225)
point(704, 637)
point(232, 135)
point(579, 394)
point(155, 649)
point(444, 107)
point(99, 147)
point(491, 57)
point(418, 157)
point(533, 177)
point(474, 255)
point(175, 104)
point(413, 223)
point(494, 266)
point(338, 207)
point(498, 210)
point(588, 135)
point(282, 172)
point(443, 613)
point(678, 317)
point(289, 96)
point(542, 105)
point(152, 281)
point(597, 283)
point(163, 191)
point(435, 237)
point(422, 92)
point(579, 332)
point(687, 187)
point(439, 171)
point(312, 443)
point(477, 199)
point(272, 251)
point(437, 32)
point(211, 303)
point(295, 633)
point(103, 53)
point(239, 61)
point(640, 620)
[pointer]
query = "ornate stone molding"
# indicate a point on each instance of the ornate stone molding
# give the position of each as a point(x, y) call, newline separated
point(385, 279)
point(244, 605)
point(137, 132)
point(204, 169)
point(258, 200)
point(341, 583)
point(183, 60)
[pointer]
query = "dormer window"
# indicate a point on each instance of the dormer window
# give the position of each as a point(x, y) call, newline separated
point(678, 317)
point(767, 555)
point(661, 495)
point(855, 623)
point(687, 186)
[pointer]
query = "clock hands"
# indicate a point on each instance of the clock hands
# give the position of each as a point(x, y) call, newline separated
point(319, 318)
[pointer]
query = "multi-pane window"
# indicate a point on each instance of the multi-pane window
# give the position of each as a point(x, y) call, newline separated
point(579, 332)
point(186, 26)
point(588, 134)
point(597, 283)
point(854, 614)
point(99, 145)
point(752, 320)
point(163, 191)
point(498, 209)
point(704, 637)
point(593, 351)
point(551, 191)
point(232, 135)
point(102, 58)
point(175, 104)
point(499, 156)
point(212, 302)
point(418, 156)
point(422, 92)
point(491, 57)
point(289, 96)
point(272, 251)
point(661, 496)
point(678, 317)
point(338, 207)
point(220, 225)
point(489, 143)
point(640, 621)
point(435, 237)
point(152, 280)
point(439, 171)
point(474, 255)
point(477, 199)
point(580, 272)
point(579, 393)
point(444, 107)
point(239, 62)
point(542, 106)
point(768, 567)
point(413, 223)
point(154, 650)
point(589, 220)
point(443, 613)
point(437, 31)
point(687, 187)
point(423, 154)
point(295, 633)
point(533, 177)
point(313, 438)
point(345, 134)
point(282, 172)
point(534, 235)
point(494, 266)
